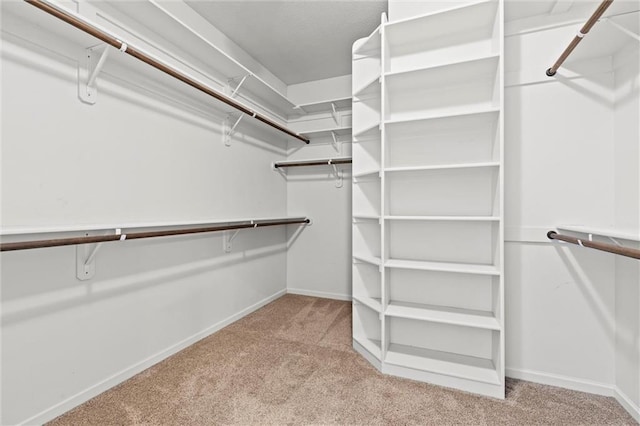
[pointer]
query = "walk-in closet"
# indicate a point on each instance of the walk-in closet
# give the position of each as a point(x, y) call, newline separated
point(355, 212)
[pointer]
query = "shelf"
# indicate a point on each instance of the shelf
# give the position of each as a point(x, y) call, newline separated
point(366, 174)
point(368, 131)
point(450, 364)
point(623, 234)
point(370, 44)
point(443, 167)
point(325, 106)
point(444, 315)
point(445, 74)
point(369, 88)
point(464, 268)
point(366, 217)
point(446, 218)
point(371, 345)
point(339, 131)
point(370, 302)
point(368, 259)
point(462, 112)
point(456, 32)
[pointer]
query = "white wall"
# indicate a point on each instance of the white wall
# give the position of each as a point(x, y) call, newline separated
point(560, 301)
point(134, 157)
point(627, 216)
point(319, 259)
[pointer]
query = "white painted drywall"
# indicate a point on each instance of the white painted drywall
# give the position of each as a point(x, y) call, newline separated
point(627, 216)
point(133, 157)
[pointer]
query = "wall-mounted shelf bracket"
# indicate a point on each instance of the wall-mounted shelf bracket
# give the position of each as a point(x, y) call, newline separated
point(334, 114)
point(337, 174)
point(86, 258)
point(622, 29)
point(227, 240)
point(234, 92)
point(228, 129)
point(337, 143)
point(89, 67)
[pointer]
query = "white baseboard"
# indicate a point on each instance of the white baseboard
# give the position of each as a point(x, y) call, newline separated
point(83, 396)
point(627, 404)
point(321, 294)
point(566, 382)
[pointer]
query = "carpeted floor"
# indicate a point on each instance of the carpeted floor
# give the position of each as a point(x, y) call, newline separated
point(291, 362)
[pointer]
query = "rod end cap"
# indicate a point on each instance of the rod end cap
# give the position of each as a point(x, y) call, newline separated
point(551, 234)
point(550, 73)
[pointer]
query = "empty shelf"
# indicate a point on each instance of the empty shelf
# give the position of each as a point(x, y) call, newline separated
point(369, 88)
point(458, 112)
point(368, 173)
point(368, 259)
point(465, 268)
point(325, 106)
point(450, 364)
point(371, 302)
point(476, 69)
point(443, 166)
point(447, 218)
point(366, 217)
point(442, 314)
point(370, 45)
point(367, 131)
point(372, 346)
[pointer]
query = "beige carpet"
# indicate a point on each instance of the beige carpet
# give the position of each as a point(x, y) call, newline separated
point(291, 362)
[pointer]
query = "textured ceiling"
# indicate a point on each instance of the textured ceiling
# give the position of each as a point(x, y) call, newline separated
point(297, 40)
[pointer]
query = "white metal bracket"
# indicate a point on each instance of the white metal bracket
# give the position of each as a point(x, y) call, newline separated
point(334, 114)
point(615, 241)
point(337, 143)
point(228, 129)
point(234, 91)
point(337, 174)
point(89, 67)
point(227, 240)
point(86, 260)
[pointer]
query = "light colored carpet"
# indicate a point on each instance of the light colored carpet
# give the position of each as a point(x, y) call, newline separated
point(291, 362)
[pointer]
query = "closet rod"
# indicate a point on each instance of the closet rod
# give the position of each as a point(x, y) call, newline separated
point(328, 161)
point(578, 38)
point(26, 245)
point(622, 251)
point(136, 53)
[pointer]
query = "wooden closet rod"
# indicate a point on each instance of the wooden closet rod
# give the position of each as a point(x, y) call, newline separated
point(622, 251)
point(578, 38)
point(26, 245)
point(136, 53)
point(328, 161)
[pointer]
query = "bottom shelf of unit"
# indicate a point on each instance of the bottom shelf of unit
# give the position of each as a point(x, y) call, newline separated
point(450, 364)
point(372, 346)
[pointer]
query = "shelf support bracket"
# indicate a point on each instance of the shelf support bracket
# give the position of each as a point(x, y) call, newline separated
point(227, 132)
point(234, 92)
point(337, 174)
point(334, 114)
point(337, 144)
point(86, 258)
point(228, 237)
point(615, 241)
point(90, 66)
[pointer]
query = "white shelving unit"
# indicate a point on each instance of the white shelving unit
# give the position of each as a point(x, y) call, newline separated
point(428, 231)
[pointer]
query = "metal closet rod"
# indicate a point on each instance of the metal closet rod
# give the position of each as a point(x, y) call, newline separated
point(130, 50)
point(622, 251)
point(27, 245)
point(323, 162)
point(578, 38)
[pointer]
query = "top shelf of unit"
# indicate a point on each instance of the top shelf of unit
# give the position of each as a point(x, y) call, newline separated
point(370, 45)
point(623, 234)
point(444, 26)
point(326, 105)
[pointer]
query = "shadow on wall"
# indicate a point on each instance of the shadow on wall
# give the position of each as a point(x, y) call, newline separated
point(85, 292)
